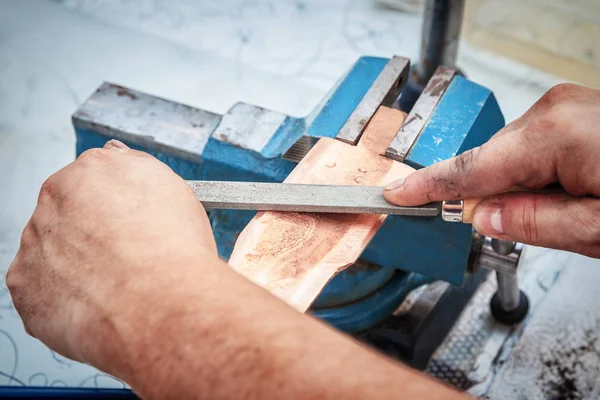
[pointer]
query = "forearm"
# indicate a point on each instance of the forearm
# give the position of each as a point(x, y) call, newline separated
point(209, 345)
point(137, 290)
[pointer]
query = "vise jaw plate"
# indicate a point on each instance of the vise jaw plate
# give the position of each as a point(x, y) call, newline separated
point(384, 91)
point(419, 114)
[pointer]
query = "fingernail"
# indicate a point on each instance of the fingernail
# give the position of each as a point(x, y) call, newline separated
point(488, 219)
point(394, 185)
point(115, 144)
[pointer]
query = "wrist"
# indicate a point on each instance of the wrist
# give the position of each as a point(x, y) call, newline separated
point(131, 329)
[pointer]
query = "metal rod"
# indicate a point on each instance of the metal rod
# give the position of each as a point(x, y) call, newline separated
point(504, 259)
point(508, 290)
point(442, 21)
point(496, 260)
point(503, 247)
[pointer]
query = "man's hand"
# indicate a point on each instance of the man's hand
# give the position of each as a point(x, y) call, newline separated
point(118, 268)
point(111, 231)
point(557, 141)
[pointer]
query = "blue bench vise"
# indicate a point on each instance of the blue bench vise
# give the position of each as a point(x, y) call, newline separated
point(250, 143)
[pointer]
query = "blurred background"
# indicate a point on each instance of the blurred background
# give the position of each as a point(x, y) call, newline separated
point(282, 55)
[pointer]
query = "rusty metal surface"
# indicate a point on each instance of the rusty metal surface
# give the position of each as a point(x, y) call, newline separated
point(419, 114)
point(384, 91)
point(139, 118)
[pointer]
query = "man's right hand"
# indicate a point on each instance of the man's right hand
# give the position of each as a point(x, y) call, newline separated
point(557, 141)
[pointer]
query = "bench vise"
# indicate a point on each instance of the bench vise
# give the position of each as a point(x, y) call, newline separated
point(250, 143)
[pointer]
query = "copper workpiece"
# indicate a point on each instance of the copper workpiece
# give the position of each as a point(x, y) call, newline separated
point(294, 255)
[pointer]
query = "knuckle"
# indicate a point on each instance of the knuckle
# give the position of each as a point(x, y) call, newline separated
point(546, 131)
point(48, 187)
point(429, 186)
point(27, 237)
point(14, 278)
point(461, 171)
point(557, 132)
point(549, 128)
point(561, 92)
point(20, 291)
point(48, 190)
point(555, 104)
point(544, 125)
point(11, 279)
point(560, 118)
point(441, 186)
point(465, 162)
point(527, 220)
point(92, 155)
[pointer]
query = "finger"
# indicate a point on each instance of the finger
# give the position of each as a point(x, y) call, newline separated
point(493, 168)
point(114, 144)
point(555, 221)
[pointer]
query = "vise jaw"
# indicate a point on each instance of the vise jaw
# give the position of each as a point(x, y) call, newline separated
point(250, 143)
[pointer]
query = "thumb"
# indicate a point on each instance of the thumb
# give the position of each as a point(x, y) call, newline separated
point(557, 221)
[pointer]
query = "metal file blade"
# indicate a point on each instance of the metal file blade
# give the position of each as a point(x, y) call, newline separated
point(302, 198)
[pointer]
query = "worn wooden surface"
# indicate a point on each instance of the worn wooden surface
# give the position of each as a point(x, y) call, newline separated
point(294, 255)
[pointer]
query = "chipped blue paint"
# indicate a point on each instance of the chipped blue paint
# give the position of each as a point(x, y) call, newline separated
point(466, 117)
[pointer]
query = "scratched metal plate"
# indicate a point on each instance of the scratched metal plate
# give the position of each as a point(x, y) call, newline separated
point(150, 121)
point(419, 114)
